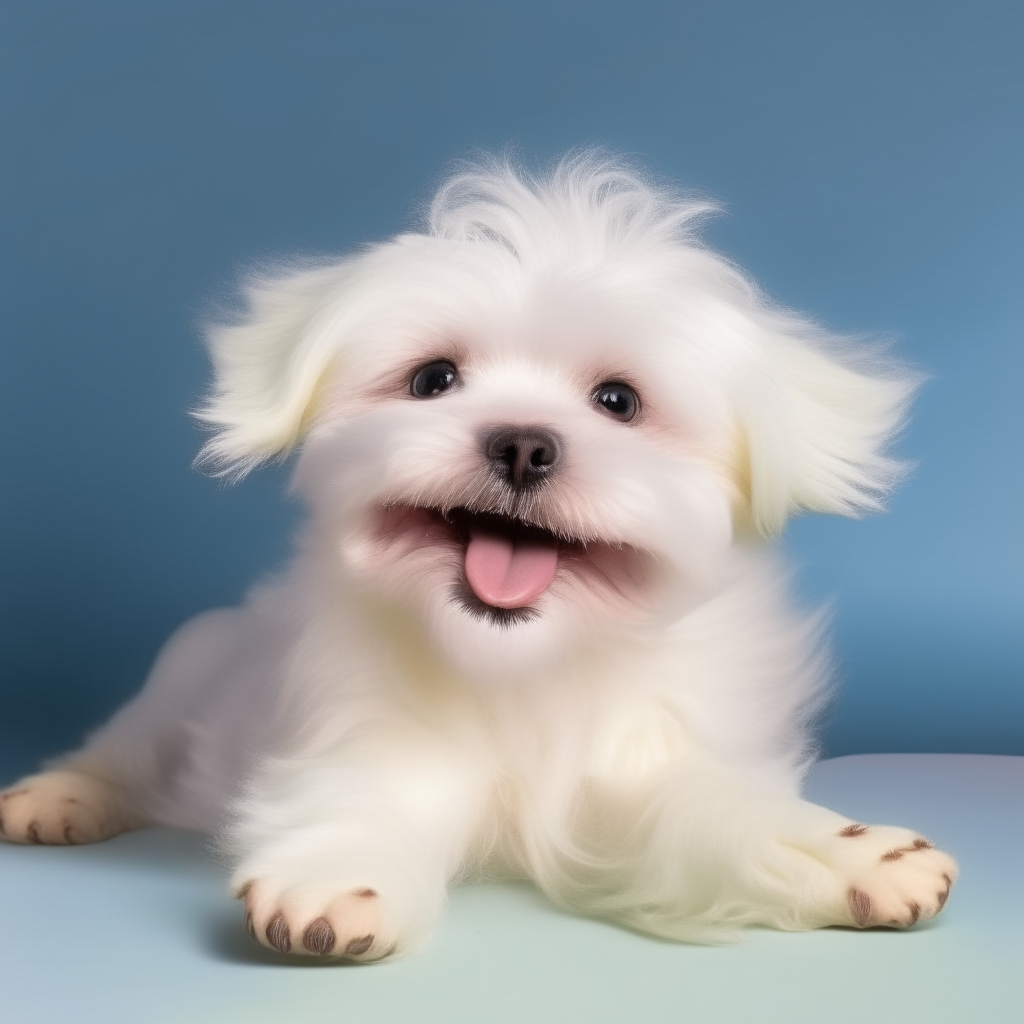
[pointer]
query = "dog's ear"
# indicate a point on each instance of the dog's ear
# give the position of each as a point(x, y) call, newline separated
point(815, 426)
point(268, 364)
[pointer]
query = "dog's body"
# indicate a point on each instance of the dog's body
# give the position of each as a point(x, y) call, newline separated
point(531, 629)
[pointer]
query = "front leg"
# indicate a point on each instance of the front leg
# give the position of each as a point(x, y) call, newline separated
point(349, 855)
point(804, 866)
point(707, 853)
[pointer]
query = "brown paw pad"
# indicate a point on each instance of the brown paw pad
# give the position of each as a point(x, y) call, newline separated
point(852, 830)
point(278, 934)
point(917, 844)
point(944, 895)
point(319, 937)
point(359, 945)
point(860, 906)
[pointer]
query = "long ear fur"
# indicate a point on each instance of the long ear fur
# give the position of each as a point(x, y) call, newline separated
point(267, 368)
point(816, 425)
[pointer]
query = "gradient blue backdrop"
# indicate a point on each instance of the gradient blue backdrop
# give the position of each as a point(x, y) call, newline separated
point(869, 155)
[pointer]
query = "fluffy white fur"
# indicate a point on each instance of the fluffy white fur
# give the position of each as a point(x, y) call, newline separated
point(361, 737)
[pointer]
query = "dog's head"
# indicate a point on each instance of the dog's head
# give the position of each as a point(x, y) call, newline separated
point(544, 421)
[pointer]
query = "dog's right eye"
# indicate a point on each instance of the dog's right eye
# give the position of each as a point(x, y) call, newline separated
point(434, 379)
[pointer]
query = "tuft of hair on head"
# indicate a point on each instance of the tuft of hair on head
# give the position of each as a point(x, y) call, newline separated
point(588, 203)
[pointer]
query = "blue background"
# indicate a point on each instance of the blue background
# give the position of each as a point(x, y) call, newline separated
point(869, 155)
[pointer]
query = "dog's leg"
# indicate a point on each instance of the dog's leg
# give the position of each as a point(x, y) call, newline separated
point(349, 856)
point(717, 854)
point(162, 757)
point(809, 867)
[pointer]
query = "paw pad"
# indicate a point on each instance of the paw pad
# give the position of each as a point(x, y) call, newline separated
point(897, 852)
point(359, 945)
point(278, 934)
point(943, 896)
point(851, 831)
point(319, 937)
point(860, 907)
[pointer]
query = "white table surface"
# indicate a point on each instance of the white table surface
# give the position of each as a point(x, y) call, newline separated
point(139, 929)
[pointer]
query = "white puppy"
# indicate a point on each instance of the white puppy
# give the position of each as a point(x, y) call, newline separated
point(533, 627)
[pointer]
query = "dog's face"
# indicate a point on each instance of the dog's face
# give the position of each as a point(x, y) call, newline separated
point(534, 434)
point(538, 470)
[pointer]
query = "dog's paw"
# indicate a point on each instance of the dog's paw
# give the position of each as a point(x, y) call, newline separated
point(61, 808)
point(350, 924)
point(893, 877)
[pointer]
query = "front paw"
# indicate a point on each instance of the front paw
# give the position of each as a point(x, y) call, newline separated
point(894, 877)
point(62, 808)
point(344, 923)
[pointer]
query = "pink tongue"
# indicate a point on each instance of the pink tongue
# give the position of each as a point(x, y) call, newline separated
point(508, 574)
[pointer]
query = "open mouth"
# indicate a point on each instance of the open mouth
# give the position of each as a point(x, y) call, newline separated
point(509, 564)
point(505, 564)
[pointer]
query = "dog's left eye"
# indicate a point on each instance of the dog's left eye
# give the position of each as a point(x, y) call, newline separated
point(618, 399)
point(434, 379)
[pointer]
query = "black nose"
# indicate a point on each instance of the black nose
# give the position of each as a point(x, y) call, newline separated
point(522, 456)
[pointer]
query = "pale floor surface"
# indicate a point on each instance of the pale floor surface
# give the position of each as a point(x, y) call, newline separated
point(140, 930)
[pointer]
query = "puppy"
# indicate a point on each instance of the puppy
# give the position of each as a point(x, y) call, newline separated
point(535, 626)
